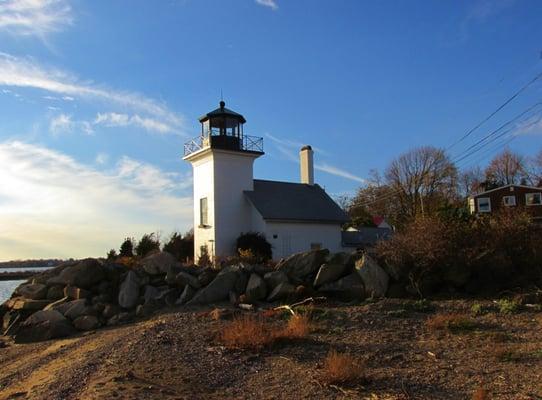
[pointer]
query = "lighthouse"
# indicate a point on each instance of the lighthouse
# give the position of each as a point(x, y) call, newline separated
point(228, 201)
point(222, 158)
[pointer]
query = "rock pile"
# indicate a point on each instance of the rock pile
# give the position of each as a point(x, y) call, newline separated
point(85, 295)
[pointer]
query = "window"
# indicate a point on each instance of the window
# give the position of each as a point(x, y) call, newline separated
point(203, 218)
point(533, 199)
point(484, 204)
point(509, 201)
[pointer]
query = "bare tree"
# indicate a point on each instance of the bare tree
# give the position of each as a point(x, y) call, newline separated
point(507, 168)
point(470, 181)
point(423, 179)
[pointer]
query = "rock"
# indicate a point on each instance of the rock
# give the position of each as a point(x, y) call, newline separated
point(86, 323)
point(55, 293)
point(44, 325)
point(84, 274)
point(457, 275)
point(186, 295)
point(104, 287)
point(158, 263)
point(22, 304)
point(101, 299)
point(347, 288)
point(298, 266)
point(219, 288)
point(171, 273)
point(206, 276)
point(9, 318)
point(129, 290)
point(256, 288)
point(76, 293)
point(374, 278)
point(168, 297)
point(77, 308)
point(330, 273)
point(183, 278)
point(60, 305)
point(110, 310)
point(151, 293)
point(147, 309)
point(273, 279)
point(282, 291)
point(33, 291)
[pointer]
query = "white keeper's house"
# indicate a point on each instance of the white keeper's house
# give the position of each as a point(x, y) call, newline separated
point(228, 200)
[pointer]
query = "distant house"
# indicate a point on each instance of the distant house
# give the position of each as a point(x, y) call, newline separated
point(367, 236)
point(527, 197)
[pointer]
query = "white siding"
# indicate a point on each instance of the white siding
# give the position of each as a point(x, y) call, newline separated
point(294, 237)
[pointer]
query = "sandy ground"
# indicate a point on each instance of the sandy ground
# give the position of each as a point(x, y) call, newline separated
point(177, 355)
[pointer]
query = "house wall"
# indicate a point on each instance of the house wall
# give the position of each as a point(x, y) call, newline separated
point(221, 176)
point(293, 237)
point(496, 197)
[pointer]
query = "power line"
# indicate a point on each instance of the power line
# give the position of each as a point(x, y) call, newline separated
point(516, 94)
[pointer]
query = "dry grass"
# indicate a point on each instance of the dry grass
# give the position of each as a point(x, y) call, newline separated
point(506, 354)
point(342, 368)
point(247, 332)
point(298, 327)
point(250, 332)
point(480, 394)
point(453, 322)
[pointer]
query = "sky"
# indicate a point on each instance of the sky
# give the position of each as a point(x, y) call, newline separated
point(98, 97)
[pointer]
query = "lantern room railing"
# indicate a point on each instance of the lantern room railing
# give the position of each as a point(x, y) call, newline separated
point(243, 143)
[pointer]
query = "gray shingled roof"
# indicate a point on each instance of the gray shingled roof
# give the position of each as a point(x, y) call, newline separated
point(222, 112)
point(294, 202)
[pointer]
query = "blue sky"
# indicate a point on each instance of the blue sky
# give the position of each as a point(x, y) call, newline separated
point(97, 99)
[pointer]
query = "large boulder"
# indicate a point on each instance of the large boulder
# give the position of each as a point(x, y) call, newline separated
point(330, 273)
point(275, 278)
point(44, 325)
point(84, 274)
point(34, 291)
point(184, 278)
point(220, 287)
point(374, 278)
point(187, 295)
point(86, 323)
point(55, 292)
point(151, 293)
point(347, 288)
point(301, 265)
point(77, 308)
point(158, 263)
point(282, 291)
point(256, 288)
point(129, 290)
point(206, 276)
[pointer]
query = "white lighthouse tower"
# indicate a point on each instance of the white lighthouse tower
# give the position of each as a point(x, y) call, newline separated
point(222, 158)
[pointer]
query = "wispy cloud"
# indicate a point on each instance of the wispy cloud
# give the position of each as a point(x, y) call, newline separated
point(51, 205)
point(330, 169)
point(289, 148)
point(17, 72)
point(64, 123)
point(272, 4)
point(532, 126)
point(34, 17)
point(479, 11)
point(112, 119)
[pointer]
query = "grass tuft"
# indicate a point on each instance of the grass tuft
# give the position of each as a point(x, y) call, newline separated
point(342, 368)
point(453, 323)
point(507, 306)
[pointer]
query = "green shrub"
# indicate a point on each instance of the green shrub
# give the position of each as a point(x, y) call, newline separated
point(127, 248)
point(254, 244)
point(507, 306)
point(148, 243)
point(477, 309)
point(181, 247)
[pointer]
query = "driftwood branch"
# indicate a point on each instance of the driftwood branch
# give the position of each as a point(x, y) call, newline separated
point(290, 307)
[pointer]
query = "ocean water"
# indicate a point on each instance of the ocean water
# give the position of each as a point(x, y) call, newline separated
point(38, 269)
point(7, 288)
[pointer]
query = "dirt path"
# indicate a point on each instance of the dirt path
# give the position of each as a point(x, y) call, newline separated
point(177, 356)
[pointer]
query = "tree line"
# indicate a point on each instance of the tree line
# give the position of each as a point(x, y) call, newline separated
point(425, 181)
point(181, 246)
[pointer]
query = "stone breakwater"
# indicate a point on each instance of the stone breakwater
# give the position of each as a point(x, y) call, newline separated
point(88, 294)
